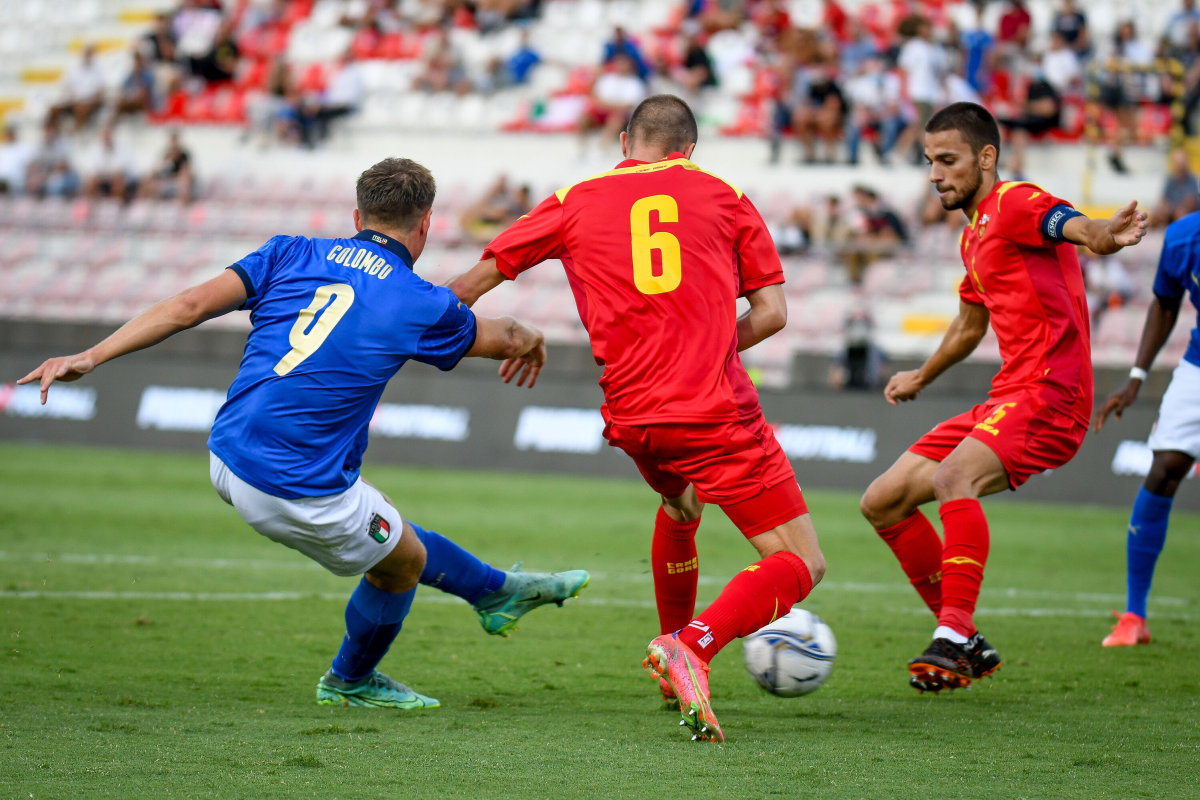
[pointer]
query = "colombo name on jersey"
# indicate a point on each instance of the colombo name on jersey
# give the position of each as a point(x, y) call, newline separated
point(332, 320)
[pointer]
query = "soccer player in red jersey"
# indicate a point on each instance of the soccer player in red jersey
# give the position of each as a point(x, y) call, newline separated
point(1024, 279)
point(657, 251)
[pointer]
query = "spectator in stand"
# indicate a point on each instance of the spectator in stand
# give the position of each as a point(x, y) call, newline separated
point(108, 168)
point(858, 48)
point(519, 65)
point(614, 95)
point(819, 120)
point(794, 54)
point(1012, 36)
point(219, 63)
point(924, 65)
point(1041, 112)
point(275, 114)
point(1180, 193)
point(875, 96)
point(500, 206)
point(51, 171)
point(1060, 66)
point(1179, 23)
point(771, 19)
point(136, 94)
point(342, 97)
point(1071, 23)
point(1120, 88)
point(83, 91)
point(172, 178)
point(194, 29)
point(718, 15)
point(697, 71)
point(620, 44)
point(15, 157)
point(879, 232)
point(443, 69)
point(159, 43)
point(977, 46)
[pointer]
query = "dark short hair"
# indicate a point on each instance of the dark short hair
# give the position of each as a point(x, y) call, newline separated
point(976, 124)
point(664, 120)
point(395, 194)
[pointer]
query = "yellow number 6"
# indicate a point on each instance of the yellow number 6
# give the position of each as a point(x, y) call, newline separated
point(644, 242)
point(310, 330)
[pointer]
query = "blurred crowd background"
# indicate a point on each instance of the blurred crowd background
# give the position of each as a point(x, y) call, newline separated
point(150, 143)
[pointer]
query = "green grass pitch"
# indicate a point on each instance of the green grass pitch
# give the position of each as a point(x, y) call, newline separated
point(154, 646)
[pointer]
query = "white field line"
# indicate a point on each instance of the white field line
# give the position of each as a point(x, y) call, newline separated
point(1104, 601)
point(587, 599)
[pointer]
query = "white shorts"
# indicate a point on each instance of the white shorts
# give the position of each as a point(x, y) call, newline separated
point(346, 533)
point(1178, 425)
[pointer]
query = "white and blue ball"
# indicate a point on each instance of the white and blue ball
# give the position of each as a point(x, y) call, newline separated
point(793, 655)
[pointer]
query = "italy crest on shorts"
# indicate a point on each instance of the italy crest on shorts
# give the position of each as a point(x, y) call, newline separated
point(379, 530)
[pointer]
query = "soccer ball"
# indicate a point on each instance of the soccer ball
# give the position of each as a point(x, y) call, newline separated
point(791, 656)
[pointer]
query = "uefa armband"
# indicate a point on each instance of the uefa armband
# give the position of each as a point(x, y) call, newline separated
point(1055, 219)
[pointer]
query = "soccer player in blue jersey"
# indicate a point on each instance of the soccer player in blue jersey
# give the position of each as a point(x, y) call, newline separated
point(332, 320)
point(1175, 439)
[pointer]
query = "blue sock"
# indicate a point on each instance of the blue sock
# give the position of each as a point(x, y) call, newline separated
point(454, 570)
point(1147, 534)
point(373, 618)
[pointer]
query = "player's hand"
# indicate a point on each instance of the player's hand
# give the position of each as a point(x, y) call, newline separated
point(524, 368)
point(1127, 226)
point(62, 368)
point(903, 386)
point(1116, 404)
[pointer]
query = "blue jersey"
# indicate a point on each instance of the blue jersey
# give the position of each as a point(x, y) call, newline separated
point(332, 321)
point(1179, 272)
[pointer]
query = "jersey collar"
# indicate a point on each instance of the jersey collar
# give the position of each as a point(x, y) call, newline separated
point(368, 235)
point(633, 162)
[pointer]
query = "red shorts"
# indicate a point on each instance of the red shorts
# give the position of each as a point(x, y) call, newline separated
point(1021, 430)
point(739, 466)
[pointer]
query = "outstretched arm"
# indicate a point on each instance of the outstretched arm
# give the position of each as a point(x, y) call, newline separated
point(187, 309)
point(766, 316)
point(1160, 320)
point(962, 337)
point(521, 347)
point(1105, 236)
point(476, 282)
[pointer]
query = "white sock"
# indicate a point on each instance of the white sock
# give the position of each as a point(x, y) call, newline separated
point(943, 632)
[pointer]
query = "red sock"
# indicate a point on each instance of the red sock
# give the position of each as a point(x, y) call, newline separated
point(676, 571)
point(963, 559)
point(919, 551)
point(756, 595)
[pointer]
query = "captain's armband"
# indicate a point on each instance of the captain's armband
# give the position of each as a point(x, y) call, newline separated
point(1055, 219)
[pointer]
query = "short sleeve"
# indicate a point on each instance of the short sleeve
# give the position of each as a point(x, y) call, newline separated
point(445, 342)
point(1020, 210)
point(967, 292)
point(758, 259)
point(1172, 267)
point(530, 240)
point(256, 269)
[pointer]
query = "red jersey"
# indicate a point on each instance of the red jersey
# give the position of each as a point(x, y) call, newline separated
point(1033, 289)
point(656, 255)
